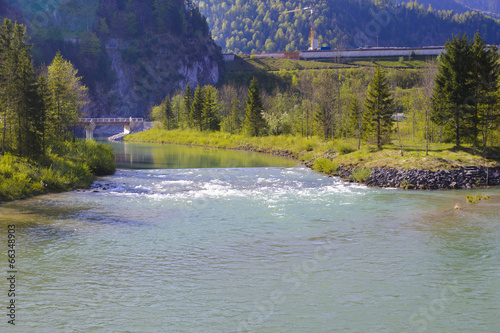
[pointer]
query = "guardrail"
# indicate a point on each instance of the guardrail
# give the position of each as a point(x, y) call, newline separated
point(110, 120)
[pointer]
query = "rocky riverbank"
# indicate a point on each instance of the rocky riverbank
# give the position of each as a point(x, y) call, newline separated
point(464, 178)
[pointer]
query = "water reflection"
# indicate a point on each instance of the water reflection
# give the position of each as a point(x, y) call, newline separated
point(163, 156)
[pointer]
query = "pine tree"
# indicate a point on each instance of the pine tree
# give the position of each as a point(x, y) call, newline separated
point(234, 118)
point(379, 108)
point(453, 97)
point(210, 117)
point(188, 101)
point(486, 73)
point(19, 96)
point(356, 119)
point(168, 114)
point(196, 115)
point(254, 122)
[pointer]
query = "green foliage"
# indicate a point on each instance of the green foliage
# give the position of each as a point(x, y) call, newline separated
point(257, 26)
point(325, 165)
point(254, 122)
point(90, 45)
point(210, 114)
point(474, 199)
point(344, 147)
point(73, 166)
point(196, 114)
point(361, 174)
point(379, 108)
point(465, 95)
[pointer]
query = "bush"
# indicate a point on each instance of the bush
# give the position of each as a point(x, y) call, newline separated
point(343, 147)
point(68, 166)
point(361, 174)
point(325, 165)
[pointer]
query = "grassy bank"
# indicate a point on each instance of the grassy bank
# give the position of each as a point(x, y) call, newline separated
point(327, 156)
point(70, 166)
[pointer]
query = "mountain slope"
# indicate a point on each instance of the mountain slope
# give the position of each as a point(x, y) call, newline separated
point(130, 53)
point(487, 7)
point(257, 25)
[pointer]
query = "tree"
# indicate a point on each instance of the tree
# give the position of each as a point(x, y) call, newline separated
point(69, 96)
point(234, 118)
point(486, 72)
point(188, 101)
point(210, 117)
point(254, 122)
point(20, 96)
point(325, 96)
point(168, 114)
point(356, 118)
point(379, 108)
point(196, 115)
point(453, 96)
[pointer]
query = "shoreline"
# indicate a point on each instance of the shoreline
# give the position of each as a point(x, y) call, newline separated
point(387, 177)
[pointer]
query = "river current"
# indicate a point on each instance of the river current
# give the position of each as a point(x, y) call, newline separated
point(185, 239)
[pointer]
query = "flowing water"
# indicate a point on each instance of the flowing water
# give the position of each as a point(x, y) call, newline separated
point(185, 239)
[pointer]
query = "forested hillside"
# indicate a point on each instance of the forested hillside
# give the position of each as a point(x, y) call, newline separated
point(257, 26)
point(488, 7)
point(129, 53)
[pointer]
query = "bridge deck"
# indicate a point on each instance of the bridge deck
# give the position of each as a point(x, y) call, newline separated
point(110, 121)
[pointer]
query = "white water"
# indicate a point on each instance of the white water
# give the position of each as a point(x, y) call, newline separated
point(273, 249)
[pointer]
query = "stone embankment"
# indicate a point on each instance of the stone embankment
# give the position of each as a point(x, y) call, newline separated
point(465, 178)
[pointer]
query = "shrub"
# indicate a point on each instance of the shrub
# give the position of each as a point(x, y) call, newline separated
point(361, 174)
point(325, 165)
point(343, 147)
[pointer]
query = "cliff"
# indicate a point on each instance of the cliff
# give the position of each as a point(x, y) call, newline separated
point(131, 54)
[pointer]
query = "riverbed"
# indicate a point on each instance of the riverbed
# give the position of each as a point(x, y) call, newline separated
point(190, 239)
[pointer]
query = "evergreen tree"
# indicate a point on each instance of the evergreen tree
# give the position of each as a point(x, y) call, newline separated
point(453, 97)
point(356, 119)
point(254, 122)
point(234, 117)
point(379, 108)
point(196, 114)
point(168, 114)
point(19, 93)
point(188, 101)
point(486, 72)
point(210, 117)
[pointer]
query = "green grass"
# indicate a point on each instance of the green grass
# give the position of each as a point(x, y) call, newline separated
point(70, 166)
point(343, 152)
point(252, 64)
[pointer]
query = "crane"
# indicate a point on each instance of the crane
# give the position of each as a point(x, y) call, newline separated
point(314, 42)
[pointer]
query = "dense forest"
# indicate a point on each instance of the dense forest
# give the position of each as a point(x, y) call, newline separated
point(257, 26)
point(128, 52)
point(488, 7)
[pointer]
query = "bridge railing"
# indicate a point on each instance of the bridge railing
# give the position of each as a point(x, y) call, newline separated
point(110, 120)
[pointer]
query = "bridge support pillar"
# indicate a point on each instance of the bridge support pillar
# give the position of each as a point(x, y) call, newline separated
point(89, 130)
point(127, 129)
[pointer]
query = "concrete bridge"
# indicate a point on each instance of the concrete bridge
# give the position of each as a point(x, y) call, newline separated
point(90, 124)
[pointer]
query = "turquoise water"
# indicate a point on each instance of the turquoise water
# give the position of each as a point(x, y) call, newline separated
point(233, 246)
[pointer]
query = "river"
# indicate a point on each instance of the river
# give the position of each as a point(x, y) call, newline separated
point(186, 239)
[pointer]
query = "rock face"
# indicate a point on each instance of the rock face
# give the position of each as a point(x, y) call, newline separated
point(131, 54)
point(466, 178)
point(139, 86)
